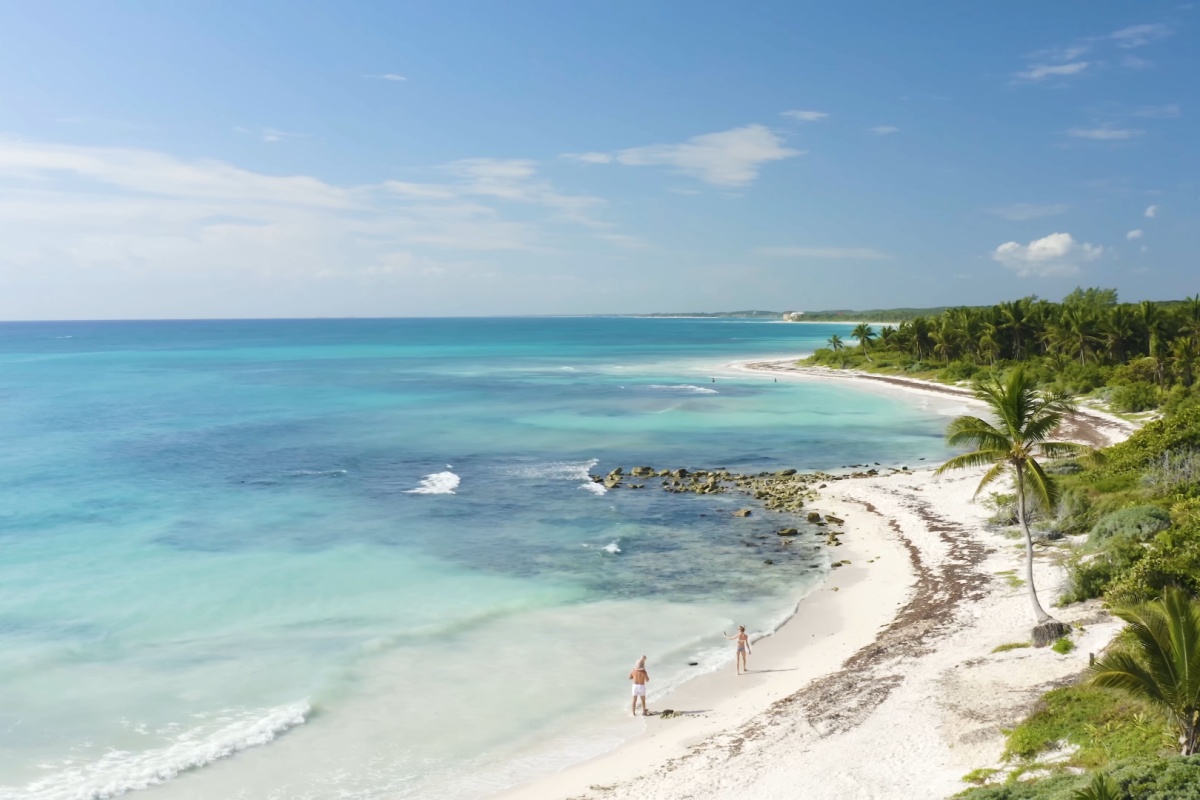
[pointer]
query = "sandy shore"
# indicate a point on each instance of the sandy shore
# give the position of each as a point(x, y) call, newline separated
point(884, 683)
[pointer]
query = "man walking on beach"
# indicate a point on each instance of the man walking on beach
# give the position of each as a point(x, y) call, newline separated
point(640, 678)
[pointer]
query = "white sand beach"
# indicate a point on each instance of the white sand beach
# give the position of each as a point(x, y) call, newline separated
point(884, 683)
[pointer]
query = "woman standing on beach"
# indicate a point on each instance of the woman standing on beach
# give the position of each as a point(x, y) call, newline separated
point(743, 648)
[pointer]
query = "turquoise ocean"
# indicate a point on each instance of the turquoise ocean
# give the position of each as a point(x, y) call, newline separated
point(362, 558)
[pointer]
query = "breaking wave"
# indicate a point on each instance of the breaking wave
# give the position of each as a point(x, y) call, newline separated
point(120, 771)
point(437, 483)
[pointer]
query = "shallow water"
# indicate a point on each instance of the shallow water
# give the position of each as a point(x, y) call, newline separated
point(362, 558)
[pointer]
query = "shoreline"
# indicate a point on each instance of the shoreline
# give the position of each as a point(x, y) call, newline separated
point(859, 660)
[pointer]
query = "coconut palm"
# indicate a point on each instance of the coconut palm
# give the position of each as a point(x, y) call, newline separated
point(1024, 420)
point(1165, 668)
point(835, 343)
point(865, 336)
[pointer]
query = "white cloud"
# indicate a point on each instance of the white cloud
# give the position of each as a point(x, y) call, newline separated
point(1159, 112)
point(1151, 212)
point(589, 158)
point(142, 229)
point(730, 158)
point(1019, 212)
point(387, 76)
point(268, 135)
point(883, 130)
point(1104, 133)
point(806, 116)
point(1039, 72)
point(1138, 35)
point(860, 253)
point(1055, 255)
point(1133, 62)
point(1134, 234)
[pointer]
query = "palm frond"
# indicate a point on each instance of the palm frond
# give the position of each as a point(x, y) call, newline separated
point(1040, 484)
point(976, 458)
point(991, 475)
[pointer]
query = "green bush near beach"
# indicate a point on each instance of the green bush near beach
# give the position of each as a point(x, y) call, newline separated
point(1174, 778)
point(1101, 724)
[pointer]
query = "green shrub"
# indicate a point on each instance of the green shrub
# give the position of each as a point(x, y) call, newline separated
point(1104, 725)
point(1063, 645)
point(959, 371)
point(1173, 559)
point(1179, 431)
point(1003, 648)
point(1139, 523)
point(1173, 778)
point(1133, 397)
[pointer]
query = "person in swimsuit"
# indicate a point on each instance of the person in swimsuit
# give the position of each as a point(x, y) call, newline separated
point(640, 678)
point(743, 648)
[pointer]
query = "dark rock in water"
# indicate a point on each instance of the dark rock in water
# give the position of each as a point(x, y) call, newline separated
point(787, 532)
point(822, 486)
point(742, 512)
point(904, 468)
point(680, 473)
point(836, 564)
point(814, 516)
point(787, 472)
point(642, 472)
point(834, 520)
point(617, 471)
point(670, 713)
point(768, 562)
point(662, 473)
point(693, 663)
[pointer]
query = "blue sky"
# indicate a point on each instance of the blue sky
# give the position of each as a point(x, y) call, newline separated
point(192, 159)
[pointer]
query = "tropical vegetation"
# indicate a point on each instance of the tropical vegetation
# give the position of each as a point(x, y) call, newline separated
point(1024, 421)
point(1128, 525)
point(1142, 355)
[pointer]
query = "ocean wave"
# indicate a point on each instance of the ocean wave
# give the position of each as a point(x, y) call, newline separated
point(594, 488)
point(684, 387)
point(555, 470)
point(437, 483)
point(316, 473)
point(611, 547)
point(120, 771)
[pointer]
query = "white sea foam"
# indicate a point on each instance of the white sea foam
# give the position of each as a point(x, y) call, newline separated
point(611, 547)
point(437, 483)
point(554, 470)
point(119, 771)
point(684, 387)
point(594, 488)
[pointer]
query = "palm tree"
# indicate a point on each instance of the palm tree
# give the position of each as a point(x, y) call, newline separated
point(1166, 666)
point(1101, 788)
point(835, 343)
point(1025, 419)
point(865, 336)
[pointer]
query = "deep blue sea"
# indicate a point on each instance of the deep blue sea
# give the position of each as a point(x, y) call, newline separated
point(362, 559)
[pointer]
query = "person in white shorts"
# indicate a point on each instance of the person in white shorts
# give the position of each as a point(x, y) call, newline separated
point(640, 678)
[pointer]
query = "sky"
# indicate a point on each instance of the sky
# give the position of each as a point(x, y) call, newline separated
point(317, 159)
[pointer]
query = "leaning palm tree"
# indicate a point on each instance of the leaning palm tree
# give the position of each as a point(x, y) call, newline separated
point(835, 343)
point(1165, 667)
point(865, 336)
point(1024, 420)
